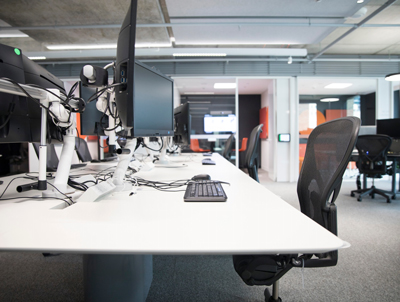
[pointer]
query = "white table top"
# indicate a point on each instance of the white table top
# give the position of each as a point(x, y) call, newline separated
point(252, 220)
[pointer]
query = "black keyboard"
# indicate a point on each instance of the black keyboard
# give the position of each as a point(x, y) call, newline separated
point(205, 190)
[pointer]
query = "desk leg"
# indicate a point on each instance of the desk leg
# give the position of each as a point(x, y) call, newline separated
point(394, 171)
point(117, 277)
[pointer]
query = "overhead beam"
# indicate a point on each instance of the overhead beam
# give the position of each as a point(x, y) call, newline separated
point(376, 12)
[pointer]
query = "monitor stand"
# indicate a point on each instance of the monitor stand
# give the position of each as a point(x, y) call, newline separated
point(64, 165)
point(164, 160)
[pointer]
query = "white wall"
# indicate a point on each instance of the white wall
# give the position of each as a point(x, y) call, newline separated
point(384, 99)
point(177, 96)
point(281, 159)
point(267, 145)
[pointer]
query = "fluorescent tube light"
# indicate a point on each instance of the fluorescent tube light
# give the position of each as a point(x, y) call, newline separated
point(12, 34)
point(80, 46)
point(149, 45)
point(328, 100)
point(198, 92)
point(37, 58)
point(199, 54)
point(393, 77)
point(224, 85)
point(338, 85)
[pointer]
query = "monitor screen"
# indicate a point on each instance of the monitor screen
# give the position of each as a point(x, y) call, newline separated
point(145, 97)
point(183, 121)
point(91, 117)
point(389, 127)
point(153, 100)
point(220, 123)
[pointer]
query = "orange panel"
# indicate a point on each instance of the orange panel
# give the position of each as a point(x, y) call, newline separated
point(332, 114)
point(264, 121)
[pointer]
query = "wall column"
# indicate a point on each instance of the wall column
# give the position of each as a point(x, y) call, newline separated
point(384, 99)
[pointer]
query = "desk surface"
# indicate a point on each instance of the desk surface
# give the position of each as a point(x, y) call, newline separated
point(252, 220)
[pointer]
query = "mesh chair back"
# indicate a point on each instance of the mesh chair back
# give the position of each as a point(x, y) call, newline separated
point(252, 146)
point(372, 153)
point(228, 147)
point(329, 148)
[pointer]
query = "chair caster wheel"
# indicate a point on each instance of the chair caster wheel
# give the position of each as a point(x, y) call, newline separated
point(388, 200)
point(352, 194)
point(359, 199)
point(394, 197)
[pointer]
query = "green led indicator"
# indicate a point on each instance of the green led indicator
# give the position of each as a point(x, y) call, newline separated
point(17, 51)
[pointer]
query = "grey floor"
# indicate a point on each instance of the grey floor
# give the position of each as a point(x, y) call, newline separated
point(367, 271)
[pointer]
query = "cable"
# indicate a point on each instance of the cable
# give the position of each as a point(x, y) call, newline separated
point(145, 146)
point(12, 198)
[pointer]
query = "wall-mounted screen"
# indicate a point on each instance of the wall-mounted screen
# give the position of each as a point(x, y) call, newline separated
point(225, 123)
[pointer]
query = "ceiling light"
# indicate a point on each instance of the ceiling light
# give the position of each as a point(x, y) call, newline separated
point(147, 45)
point(393, 77)
point(198, 92)
point(360, 1)
point(290, 60)
point(338, 85)
point(37, 58)
point(199, 54)
point(329, 100)
point(79, 46)
point(12, 34)
point(224, 85)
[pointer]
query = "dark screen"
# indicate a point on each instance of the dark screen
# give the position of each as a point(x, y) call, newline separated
point(90, 118)
point(183, 121)
point(390, 127)
point(153, 103)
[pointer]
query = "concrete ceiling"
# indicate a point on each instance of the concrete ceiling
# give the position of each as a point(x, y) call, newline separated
point(306, 86)
point(282, 24)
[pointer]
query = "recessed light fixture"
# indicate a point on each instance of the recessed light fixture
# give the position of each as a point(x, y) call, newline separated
point(224, 85)
point(12, 34)
point(37, 58)
point(198, 92)
point(149, 45)
point(338, 85)
point(328, 100)
point(81, 46)
point(393, 77)
point(360, 1)
point(199, 54)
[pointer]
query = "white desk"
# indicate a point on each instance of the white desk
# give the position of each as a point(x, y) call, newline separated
point(252, 221)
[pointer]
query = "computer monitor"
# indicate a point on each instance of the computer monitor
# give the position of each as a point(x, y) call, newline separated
point(145, 98)
point(220, 124)
point(23, 122)
point(183, 121)
point(92, 121)
point(389, 127)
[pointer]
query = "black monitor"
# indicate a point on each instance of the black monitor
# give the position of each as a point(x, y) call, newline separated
point(183, 124)
point(92, 121)
point(145, 100)
point(23, 122)
point(389, 127)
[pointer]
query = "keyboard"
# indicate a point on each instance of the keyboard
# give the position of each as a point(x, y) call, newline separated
point(204, 190)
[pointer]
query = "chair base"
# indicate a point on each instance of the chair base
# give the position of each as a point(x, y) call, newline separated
point(370, 191)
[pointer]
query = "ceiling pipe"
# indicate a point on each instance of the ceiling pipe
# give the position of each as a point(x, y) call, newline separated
point(379, 10)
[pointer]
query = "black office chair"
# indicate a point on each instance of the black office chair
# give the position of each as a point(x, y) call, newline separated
point(82, 150)
point(372, 154)
point(328, 152)
point(251, 161)
point(228, 147)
